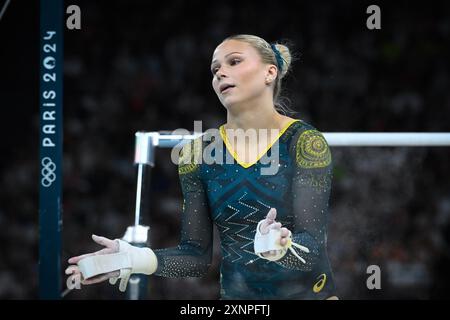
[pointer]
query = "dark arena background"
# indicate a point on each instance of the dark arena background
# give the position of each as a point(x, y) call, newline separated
point(145, 66)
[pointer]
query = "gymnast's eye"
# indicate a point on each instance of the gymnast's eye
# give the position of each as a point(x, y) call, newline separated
point(234, 61)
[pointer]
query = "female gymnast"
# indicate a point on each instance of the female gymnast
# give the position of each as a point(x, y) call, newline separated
point(273, 227)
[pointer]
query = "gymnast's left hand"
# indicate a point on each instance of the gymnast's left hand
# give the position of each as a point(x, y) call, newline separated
point(270, 223)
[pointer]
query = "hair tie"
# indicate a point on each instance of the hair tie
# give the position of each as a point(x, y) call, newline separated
point(280, 61)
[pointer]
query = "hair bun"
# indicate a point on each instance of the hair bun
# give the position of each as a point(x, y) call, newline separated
point(286, 56)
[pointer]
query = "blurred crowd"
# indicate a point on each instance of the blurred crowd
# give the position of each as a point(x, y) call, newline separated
point(145, 66)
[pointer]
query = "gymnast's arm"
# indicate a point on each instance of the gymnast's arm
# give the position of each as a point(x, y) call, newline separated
point(192, 256)
point(311, 187)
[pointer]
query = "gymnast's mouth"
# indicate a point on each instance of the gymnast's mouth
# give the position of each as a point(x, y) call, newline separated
point(226, 87)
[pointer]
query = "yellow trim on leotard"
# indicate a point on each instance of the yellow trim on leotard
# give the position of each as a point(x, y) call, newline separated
point(234, 154)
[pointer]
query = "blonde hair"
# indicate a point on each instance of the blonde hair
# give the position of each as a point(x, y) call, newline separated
point(268, 56)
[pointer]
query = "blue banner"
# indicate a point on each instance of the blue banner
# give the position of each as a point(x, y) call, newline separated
point(50, 148)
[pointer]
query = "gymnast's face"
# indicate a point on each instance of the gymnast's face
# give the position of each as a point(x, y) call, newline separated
point(238, 73)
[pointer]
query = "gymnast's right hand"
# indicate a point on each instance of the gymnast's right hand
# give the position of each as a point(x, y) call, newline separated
point(111, 246)
point(118, 260)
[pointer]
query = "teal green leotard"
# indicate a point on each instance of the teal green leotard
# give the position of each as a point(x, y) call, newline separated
point(235, 197)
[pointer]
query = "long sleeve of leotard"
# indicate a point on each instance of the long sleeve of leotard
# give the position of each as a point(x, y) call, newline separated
point(311, 186)
point(192, 256)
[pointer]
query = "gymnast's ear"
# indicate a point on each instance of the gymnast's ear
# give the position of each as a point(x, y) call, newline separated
point(271, 73)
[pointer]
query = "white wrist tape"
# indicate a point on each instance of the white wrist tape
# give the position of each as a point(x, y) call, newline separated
point(268, 241)
point(271, 241)
point(128, 260)
point(95, 265)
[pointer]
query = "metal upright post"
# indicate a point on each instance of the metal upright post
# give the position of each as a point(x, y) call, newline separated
point(138, 234)
point(50, 147)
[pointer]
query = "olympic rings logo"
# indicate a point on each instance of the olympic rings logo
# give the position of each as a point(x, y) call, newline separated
point(48, 172)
